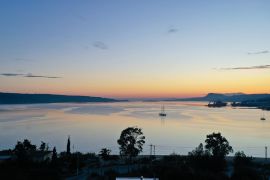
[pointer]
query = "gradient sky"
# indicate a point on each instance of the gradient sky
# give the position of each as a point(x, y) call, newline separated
point(135, 48)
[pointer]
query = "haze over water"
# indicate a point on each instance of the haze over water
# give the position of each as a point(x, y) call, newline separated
point(93, 126)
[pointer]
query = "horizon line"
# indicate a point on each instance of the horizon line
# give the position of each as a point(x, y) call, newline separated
point(135, 97)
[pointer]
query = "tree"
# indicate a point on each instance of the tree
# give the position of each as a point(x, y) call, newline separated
point(54, 155)
point(23, 150)
point(244, 168)
point(241, 160)
point(217, 145)
point(131, 141)
point(20, 152)
point(28, 146)
point(199, 151)
point(199, 159)
point(105, 153)
point(68, 146)
point(44, 146)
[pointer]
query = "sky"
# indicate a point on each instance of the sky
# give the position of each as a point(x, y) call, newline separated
point(135, 48)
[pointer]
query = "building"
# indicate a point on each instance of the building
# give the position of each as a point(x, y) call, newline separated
point(135, 178)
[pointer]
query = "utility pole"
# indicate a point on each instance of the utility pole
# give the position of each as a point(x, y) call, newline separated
point(151, 149)
point(266, 153)
point(154, 150)
point(77, 163)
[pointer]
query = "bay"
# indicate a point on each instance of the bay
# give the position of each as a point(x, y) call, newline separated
point(93, 126)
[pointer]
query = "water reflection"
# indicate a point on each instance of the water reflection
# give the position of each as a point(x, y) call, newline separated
point(96, 109)
point(162, 119)
point(94, 126)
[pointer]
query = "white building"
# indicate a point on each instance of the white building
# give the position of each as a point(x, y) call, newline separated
point(135, 178)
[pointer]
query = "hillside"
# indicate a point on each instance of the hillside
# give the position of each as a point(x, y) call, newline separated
point(17, 98)
point(237, 97)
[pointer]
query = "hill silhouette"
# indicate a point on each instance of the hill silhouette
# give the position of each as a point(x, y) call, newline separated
point(232, 97)
point(17, 98)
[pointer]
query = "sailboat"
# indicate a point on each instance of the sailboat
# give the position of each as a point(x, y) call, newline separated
point(162, 112)
point(263, 118)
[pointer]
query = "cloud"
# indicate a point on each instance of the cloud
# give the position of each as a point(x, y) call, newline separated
point(39, 76)
point(172, 30)
point(29, 75)
point(258, 52)
point(11, 74)
point(100, 45)
point(248, 67)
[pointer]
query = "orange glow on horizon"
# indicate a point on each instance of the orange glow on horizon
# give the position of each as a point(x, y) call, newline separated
point(172, 85)
point(142, 95)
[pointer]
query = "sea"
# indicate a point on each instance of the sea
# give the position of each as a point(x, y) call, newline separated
point(93, 126)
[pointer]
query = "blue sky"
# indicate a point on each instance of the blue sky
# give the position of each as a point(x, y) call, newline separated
point(134, 48)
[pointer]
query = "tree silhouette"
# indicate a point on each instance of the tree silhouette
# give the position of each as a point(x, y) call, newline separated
point(68, 146)
point(44, 146)
point(199, 151)
point(131, 141)
point(240, 160)
point(244, 167)
point(28, 146)
point(217, 145)
point(105, 153)
point(199, 159)
point(54, 155)
point(23, 150)
point(20, 152)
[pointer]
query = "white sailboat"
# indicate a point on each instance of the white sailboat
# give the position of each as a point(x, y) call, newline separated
point(162, 112)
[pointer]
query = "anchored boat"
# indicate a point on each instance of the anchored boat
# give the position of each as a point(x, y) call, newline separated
point(162, 112)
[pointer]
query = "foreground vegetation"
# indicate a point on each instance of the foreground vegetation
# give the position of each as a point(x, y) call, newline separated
point(204, 162)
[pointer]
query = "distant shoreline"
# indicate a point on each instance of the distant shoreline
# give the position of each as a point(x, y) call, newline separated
point(19, 98)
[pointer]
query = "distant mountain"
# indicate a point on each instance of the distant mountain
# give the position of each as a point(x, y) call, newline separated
point(17, 98)
point(232, 97)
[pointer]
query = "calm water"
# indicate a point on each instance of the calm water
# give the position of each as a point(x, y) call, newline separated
point(94, 126)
